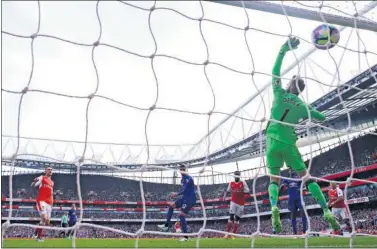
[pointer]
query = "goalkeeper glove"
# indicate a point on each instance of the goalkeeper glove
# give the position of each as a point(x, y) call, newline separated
point(293, 41)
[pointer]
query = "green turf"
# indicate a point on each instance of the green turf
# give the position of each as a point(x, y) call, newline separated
point(369, 242)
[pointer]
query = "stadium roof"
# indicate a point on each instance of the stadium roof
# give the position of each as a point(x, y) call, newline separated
point(358, 94)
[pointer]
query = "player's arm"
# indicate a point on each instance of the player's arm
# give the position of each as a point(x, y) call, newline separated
point(283, 185)
point(276, 81)
point(37, 182)
point(246, 190)
point(316, 114)
point(227, 190)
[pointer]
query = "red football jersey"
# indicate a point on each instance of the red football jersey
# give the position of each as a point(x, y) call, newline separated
point(238, 190)
point(177, 226)
point(46, 186)
point(334, 194)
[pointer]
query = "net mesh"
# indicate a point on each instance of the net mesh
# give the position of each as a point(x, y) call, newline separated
point(204, 64)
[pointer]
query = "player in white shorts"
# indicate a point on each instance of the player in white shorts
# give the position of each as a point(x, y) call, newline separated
point(239, 189)
point(339, 208)
point(44, 199)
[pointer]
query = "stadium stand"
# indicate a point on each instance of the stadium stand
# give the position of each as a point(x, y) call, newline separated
point(118, 199)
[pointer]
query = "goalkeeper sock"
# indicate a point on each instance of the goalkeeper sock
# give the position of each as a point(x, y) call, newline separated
point(273, 191)
point(294, 224)
point(316, 192)
point(168, 217)
point(182, 219)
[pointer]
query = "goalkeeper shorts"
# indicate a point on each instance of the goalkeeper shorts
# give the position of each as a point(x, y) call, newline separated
point(278, 152)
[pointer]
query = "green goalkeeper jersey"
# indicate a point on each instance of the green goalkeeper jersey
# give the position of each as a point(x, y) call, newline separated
point(288, 108)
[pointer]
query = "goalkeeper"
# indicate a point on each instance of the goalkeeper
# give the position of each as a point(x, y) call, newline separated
point(281, 146)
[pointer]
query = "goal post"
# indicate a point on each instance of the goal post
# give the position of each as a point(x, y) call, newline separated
point(306, 14)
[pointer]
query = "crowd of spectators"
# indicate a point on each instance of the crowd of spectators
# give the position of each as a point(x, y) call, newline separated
point(117, 189)
point(352, 192)
point(153, 191)
point(338, 158)
point(365, 220)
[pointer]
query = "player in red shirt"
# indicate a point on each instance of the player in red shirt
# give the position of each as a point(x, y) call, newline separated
point(238, 188)
point(177, 227)
point(339, 208)
point(44, 199)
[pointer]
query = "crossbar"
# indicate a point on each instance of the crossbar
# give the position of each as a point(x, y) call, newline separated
point(303, 14)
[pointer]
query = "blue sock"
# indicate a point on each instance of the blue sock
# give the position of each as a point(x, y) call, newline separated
point(182, 219)
point(304, 223)
point(294, 224)
point(168, 216)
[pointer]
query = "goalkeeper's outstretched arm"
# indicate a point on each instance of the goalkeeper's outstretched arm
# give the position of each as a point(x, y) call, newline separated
point(316, 114)
point(276, 81)
point(291, 44)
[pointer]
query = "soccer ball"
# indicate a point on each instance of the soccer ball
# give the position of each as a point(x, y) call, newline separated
point(320, 36)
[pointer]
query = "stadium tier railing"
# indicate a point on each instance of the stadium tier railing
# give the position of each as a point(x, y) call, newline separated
point(214, 200)
point(282, 211)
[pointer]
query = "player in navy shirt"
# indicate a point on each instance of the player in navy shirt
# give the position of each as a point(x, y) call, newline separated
point(294, 201)
point(185, 202)
point(72, 219)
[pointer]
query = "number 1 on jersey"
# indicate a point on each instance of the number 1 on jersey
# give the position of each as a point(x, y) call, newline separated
point(284, 115)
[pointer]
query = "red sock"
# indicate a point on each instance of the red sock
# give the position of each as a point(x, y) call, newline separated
point(235, 227)
point(40, 233)
point(229, 226)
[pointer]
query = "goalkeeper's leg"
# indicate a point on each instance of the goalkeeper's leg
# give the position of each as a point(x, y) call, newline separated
point(293, 158)
point(274, 163)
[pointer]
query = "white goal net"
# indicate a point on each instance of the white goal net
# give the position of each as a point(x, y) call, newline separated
point(196, 75)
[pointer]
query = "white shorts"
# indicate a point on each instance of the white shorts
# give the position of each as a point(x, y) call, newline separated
point(340, 213)
point(44, 208)
point(236, 209)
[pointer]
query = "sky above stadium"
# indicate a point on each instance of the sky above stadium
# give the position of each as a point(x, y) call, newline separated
point(65, 68)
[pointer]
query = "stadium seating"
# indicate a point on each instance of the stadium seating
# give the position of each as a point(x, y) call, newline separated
point(332, 161)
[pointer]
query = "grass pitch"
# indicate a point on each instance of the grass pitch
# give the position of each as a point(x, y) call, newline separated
point(317, 242)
